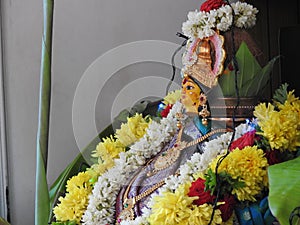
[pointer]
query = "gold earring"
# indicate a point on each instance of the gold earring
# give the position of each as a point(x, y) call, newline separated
point(204, 113)
point(179, 117)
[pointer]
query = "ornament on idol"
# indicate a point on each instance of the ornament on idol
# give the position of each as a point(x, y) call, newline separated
point(204, 113)
point(210, 56)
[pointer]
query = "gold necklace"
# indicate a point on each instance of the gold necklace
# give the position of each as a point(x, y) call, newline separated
point(167, 158)
point(128, 204)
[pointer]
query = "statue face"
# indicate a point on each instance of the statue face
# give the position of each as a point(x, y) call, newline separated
point(190, 95)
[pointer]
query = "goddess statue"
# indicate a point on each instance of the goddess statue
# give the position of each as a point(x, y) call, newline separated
point(207, 54)
point(205, 59)
point(133, 197)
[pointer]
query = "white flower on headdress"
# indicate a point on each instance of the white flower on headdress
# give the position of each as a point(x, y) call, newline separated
point(204, 24)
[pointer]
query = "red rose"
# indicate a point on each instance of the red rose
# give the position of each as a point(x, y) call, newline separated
point(197, 189)
point(212, 4)
point(227, 208)
point(274, 157)
point(166, 111)
point(246, 140)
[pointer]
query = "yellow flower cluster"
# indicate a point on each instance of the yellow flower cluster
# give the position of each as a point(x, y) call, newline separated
point(249, 166)
point(280, 127)
point(110, 147)
point(178, 208)
point(172, 97)
point(106, 151)
point(78, 188)
point(133, 130)
point(73, 205)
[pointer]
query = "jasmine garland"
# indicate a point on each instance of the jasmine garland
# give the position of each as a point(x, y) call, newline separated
point(204, 24)
point(197, 164)
point(101, 207)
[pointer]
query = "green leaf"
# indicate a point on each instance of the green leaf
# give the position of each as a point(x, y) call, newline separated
point(284, 183)
point(260, 80)
point(248, 66)
point(280, 95)
point(252, 78)
point(3, 222)
point(59, 186)
point(42, 203)
point(42, 206)
point(227, 83)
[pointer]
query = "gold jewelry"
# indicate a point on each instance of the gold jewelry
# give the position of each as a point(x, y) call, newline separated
point(162, 162)
point(127, 213)
point(204, 113)
point(179, 118)
point(128, 204)
point(167, 158)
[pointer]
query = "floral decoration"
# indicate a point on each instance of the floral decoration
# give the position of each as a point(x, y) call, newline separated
point(227, 176)
point(167, 103)
point(217, 15)
point(241, 169)
point(73, 205)
point(101, 209)
point(212, 4)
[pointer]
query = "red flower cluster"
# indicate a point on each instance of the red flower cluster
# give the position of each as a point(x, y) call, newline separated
point(166, 111)
point(227, 208)
point(212, 4)
point(247, 139)
point(198, 189)
point(274, 157)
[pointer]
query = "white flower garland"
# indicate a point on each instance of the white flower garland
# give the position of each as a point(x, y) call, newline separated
point(198, 163)
point(204, 24)
point(101, 207)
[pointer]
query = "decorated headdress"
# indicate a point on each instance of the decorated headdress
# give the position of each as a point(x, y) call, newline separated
point(206, 48)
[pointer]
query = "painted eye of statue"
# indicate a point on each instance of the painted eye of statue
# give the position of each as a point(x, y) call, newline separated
point(189, 87)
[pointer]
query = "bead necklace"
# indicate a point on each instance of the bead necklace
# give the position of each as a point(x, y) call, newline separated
point(162, 162)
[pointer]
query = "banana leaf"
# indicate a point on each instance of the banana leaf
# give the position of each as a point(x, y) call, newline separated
point(59, 186)
point(255, 86)
point(42, 206)
point(284, 185)
point(252, 78)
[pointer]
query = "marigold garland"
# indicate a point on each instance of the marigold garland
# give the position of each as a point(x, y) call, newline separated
point(285, 137)
point(79, 187)
point(73, 205)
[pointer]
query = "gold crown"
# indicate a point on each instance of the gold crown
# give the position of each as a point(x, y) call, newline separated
point(210, 59)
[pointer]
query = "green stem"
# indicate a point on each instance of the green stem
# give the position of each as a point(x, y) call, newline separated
point(42, 207)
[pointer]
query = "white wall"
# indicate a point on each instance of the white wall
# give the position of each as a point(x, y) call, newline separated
point(83, 31)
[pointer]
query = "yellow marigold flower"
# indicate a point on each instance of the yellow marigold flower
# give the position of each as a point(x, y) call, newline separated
point(287, 135)
point(102, 166)
point(230, 220)
point(178, 208)
point(81, 180)
point(108, 148)
point(263, 112)
point(172, 97)
point(202, 214)
point(133, 130)
point(172, 208)
point(73, 205)
point(249, 166)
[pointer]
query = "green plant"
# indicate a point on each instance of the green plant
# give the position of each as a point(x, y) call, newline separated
point(284, 185)
point(252, 78)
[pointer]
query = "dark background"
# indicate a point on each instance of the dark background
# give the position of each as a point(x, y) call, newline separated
point(278, 33)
